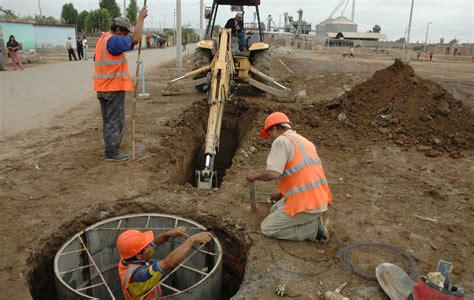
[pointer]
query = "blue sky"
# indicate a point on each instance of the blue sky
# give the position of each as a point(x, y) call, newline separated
point(451, 18)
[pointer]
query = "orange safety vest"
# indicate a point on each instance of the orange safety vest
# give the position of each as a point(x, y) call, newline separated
point(125, 273)
point(303, 183)
point(110, 72)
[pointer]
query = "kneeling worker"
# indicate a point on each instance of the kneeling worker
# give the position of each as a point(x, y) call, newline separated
point(303, 189)
point(138, 273)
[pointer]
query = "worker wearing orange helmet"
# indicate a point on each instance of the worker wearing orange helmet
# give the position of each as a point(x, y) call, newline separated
point(139, 274)
point(303, 188)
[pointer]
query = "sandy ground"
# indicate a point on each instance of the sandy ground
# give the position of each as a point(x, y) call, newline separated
point(43, 90)
point(379, 188)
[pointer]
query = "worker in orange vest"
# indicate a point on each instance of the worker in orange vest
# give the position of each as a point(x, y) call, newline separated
point(139, 274)
point(112, 79)
point(303, 188)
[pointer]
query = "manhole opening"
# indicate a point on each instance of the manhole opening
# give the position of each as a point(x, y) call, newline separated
point(224, 280)
point(235, 124)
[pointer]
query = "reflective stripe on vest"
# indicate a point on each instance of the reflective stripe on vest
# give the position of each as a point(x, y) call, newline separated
point(110, 74)
point(113, 75)
point(303, 183)
point(152, 294)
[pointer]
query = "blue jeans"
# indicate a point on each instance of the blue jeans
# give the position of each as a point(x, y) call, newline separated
point(242, 41)
point(112, 105)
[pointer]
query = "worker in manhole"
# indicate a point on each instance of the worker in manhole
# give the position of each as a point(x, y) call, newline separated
point(138, 273)
point(112, 80)
point(303, 189)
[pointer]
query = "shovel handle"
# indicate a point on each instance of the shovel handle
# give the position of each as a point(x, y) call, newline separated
point(253, 196)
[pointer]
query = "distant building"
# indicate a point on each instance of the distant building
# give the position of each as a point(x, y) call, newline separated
point(38, 36)
point(357, 36)
point(339, 24)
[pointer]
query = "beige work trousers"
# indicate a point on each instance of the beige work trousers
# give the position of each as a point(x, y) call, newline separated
point(303, 226)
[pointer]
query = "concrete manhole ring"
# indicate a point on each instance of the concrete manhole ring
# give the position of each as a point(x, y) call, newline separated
point(85, 266)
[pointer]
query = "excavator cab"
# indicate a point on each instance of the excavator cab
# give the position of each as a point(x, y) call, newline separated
point(256, 52)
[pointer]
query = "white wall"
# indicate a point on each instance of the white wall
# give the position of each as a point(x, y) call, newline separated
point(53, 36)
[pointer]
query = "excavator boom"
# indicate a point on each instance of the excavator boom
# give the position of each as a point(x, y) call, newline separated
point(221, 81)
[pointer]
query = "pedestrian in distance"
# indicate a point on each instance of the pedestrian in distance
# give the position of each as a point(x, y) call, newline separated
point(80, 52)
point(14, 53)
point(2, 47)
point(112, 79)
point(303, 188)
point(85, 46)
point(351, 52)
point(139, 273)
point(431, 55)
point(70, 49)
point(184, 45)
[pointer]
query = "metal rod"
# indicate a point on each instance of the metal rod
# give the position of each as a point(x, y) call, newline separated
point(143, 228)
point(259, 24)
point(195, 270)
point(179, 78)
point(75, 269)
point(170, 287)
point(95, 266)
point(282, 86)
point(72, 252)
point(91, 286)
point(147, 222)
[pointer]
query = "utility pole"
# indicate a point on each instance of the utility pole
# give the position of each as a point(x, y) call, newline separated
point(201, 15)
point(353, 9)
point(124, 8)
point(39, 6)
point(426, 37)
point(179, 38)
point(406, 57)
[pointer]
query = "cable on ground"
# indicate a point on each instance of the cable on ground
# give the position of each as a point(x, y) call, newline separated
point(344, 257)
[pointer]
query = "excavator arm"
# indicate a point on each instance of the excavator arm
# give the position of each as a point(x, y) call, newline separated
point(219, 94)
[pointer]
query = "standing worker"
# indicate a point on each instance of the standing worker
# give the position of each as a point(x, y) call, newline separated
point(85, 46)
point(138, 273)
point(112, 80)
point(70, 49)
point(351, 52)
point(303, 188)
point(79, 48)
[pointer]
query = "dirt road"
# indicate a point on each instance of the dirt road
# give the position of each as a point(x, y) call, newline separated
point(383, 191)
point(30, 98)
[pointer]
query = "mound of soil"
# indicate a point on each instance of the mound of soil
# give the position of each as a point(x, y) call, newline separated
point(408, 110)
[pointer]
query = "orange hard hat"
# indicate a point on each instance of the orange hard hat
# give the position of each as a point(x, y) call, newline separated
point(272, 120)
point(132, 242)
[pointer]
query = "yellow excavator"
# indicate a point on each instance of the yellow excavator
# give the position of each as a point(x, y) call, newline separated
point(221, 66)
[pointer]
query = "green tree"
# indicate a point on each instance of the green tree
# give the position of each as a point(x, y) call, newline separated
point(9, 14)
point(81, 21)
point(111, 6)
point(376, 28)
point(97, 20)
point(69, 13)
point(132, 11)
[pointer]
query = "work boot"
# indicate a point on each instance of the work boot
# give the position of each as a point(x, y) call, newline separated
point(117, 157)
point(323, 235)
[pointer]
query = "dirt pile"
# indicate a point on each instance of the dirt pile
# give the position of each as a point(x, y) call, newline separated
point(408, 110)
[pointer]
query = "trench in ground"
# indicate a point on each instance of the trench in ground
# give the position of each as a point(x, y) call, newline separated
point(40, 272)
point(235, 124)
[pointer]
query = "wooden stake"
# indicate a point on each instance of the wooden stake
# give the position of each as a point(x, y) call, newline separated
point(135, 94)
